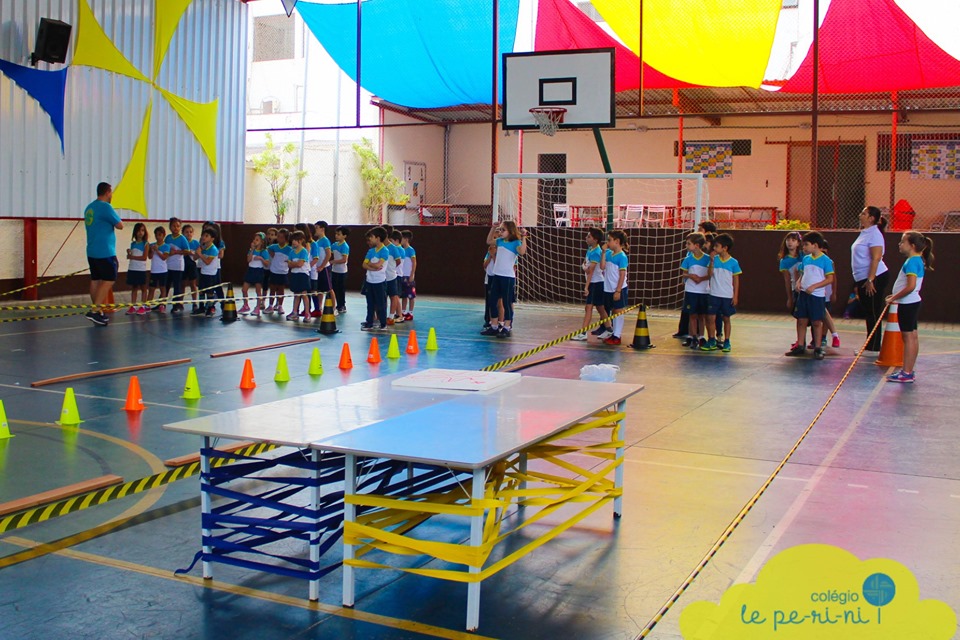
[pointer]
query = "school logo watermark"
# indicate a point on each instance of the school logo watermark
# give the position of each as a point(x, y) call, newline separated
point(820, 591)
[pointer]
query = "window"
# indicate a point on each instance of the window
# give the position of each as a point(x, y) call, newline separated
point(273, 38)
point(905, 147)
point(740, 147)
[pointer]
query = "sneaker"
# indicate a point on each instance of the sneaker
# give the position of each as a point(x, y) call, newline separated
point(210, 311)
point(823, 342)
point(131, 311)
point(726, 346)
point(580, 337)
point(244, 310)
point(97, 318)
point(794, 346)
point(688, 342)
point(383, 327)
point(598, 331)
point(177, 309)
point(293, 316)
point(342, 310)
point(398, 320)
point(900, 376)
point(606, 334)
point(316, 314)
point(503, 332)
point(306, 315)
point(408, 317)
point(161, 308)
point(680, 335)
point(612, 340)
point(836, 342)
point(710, 346)
point(197, 310)
point(797, 350)
point(142, 311)
point(389, 320)
point(811, 345)
point(489, 331)
point(696, 344)
point(366, 326)
point(255, 313)
point(818, 354)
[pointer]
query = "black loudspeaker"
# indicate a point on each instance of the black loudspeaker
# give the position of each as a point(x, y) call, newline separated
point(53, 42)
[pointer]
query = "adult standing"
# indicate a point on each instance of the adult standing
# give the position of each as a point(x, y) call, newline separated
point(869, 272)
point(100, 220)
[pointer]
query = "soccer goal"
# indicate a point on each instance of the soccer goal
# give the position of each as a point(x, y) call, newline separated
point(656, 211)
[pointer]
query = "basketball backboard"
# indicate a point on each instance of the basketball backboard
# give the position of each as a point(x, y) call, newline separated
point(582, 82)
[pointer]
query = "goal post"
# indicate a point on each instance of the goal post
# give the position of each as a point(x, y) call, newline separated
point(656, 210)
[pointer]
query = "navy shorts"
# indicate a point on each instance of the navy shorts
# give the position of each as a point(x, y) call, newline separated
point(278, 279)
point(189, 270)
point(696, 303)
point(254, 276)
point(392, 288)
point(158, 279)
point(813, 308)
point(722, 307)
point(300, 282)
point(595, 297)
point(103, 268)
point(613, 305)
point(136, 278)
point(408, 288)
point(908, 314)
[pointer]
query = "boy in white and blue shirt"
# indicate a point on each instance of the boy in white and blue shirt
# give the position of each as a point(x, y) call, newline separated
point(695, 273)
point(375, 264)
point(816, 274)
point(408, 292)
point(340, 253)
point(614, 264)
point(724, 293)
point(593, 289)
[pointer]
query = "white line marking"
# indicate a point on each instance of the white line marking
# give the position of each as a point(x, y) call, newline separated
point(953, 496)
point(857, 486)
point(765, 549)
point(907, 491)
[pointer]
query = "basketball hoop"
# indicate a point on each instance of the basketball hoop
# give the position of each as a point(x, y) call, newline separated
point(548, 118)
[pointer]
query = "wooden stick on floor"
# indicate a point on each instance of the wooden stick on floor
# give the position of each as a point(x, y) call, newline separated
point(263, 347)
point(195, 457)
point(525, 365)
point(108, 372)
point(58, 494)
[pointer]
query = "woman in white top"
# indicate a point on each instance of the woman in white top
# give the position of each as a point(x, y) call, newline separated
point(869, 272)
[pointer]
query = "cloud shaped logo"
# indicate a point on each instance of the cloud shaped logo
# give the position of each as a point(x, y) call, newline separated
point(821, 591)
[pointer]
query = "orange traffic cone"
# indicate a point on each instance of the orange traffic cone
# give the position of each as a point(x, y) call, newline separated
point(134, 398)
point(891, 348)
point(110, 300)
point(247, 381)
point(346, 362)
point(412, 347)
point(374, 356)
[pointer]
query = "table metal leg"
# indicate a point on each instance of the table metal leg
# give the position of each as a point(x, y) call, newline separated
point(205, 506)
point(476, 539)
point(523, 471)
point(618, 474)
point(315, 535)
point(349, 515)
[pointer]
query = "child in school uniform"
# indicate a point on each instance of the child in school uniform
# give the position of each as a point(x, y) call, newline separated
point(208, 259)
point(393, 276)
point(339, 253)
point(490, 302)
point(190, 270)
point(614, 264)
point(257, 259)
point(279, 269)
point(179, 246)
point(695, 272)
point(324, 267)
point(593, 288)
point(816, 273)
point(408, 287)
point(375, 264)
point(270, 240)
point(158, 269)
point(506, 244)
point(299, 264)
point(137, 269)
point(724, 292)
point(918, 251)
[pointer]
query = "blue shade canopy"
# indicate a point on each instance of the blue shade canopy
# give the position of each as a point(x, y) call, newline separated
point(417, 53)
point(46, 87)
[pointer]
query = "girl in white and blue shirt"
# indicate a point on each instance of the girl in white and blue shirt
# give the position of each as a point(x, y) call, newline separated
point(918, 250)
point(506, 240)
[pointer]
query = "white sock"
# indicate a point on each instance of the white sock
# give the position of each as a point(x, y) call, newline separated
point(618, 326)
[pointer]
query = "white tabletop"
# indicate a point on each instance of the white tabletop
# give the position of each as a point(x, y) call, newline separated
point(467, 429)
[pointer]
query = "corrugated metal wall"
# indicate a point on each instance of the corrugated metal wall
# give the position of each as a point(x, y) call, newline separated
point(104, 111)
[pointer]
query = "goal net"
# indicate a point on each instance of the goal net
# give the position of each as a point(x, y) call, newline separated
point(656, 211)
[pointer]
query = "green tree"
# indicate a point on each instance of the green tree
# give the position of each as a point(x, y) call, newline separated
point(279, 167)
point(382, 187)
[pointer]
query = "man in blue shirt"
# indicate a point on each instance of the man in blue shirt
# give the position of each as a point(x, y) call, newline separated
point(100, 220)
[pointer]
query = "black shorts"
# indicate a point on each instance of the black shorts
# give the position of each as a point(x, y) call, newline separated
point(105, 269)
point(908, 314)
point(253, 276)
point(158, 280)
point(811, 307)
point(613, 305)
point(696, 303)
point(278, 279)
point(136, 278)
point(189, 270)
point(595, 297)
point(392, 287)
point(300, 282)
point(722, 307)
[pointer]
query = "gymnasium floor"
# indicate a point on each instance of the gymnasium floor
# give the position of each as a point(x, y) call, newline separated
point(878, 476)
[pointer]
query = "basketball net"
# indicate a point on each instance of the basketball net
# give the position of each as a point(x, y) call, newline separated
point(548, 118)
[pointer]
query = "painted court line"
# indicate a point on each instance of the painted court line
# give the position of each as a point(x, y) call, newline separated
point(92, 397)
point(713, 470)
point(780, 528)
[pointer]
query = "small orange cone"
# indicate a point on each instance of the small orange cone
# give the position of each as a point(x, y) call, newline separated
point(412, 348)
point(247, 381)
point(891, 348)
point(346, 362)
point(374, 356)
point(134, 398)
point(110, 300)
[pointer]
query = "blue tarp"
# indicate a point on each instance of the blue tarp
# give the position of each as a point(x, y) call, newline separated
point(46, 87)
point(417, 53)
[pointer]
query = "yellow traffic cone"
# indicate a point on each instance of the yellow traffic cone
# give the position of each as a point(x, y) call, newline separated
point(69, 415)
point(191, 390)
point(282, 374)
point(393, 351)
point(432, 341)
point(4, 425)
point(316, 366)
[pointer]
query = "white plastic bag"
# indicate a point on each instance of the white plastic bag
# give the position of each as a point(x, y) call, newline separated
point(599, 372)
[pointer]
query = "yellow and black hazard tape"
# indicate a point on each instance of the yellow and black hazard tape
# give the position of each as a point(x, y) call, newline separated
point(94, 498)
point(46, 317)
point(33, 286)
point(179, 299)
point(526, 354)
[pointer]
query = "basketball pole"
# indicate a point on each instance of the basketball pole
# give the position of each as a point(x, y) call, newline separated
point(605, 159)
